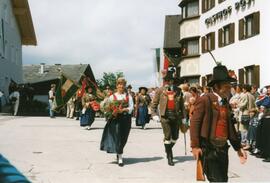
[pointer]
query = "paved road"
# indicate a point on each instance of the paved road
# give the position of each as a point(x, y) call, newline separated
point(59, 151)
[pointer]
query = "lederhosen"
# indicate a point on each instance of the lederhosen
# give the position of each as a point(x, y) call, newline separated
point(215, 151)
point(169, 122)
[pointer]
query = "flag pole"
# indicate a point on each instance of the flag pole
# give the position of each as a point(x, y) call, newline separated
point(213, 57)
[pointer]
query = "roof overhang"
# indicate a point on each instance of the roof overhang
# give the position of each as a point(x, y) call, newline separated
point(23, 16)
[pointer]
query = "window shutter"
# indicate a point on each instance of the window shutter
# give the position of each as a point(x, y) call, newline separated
point(203, 44)
point(212, 4)
point(256, 23)
point(1, 43)
point(220, 44)
point(213, 41)
point(3, 38)
point(241, 73)
point(241, 29)
point(256, 76)
point(232, 28)
point(203, 6)
point(178, 71)
point(203, 81)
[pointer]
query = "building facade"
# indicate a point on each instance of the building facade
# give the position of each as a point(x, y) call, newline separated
point(237, 34)
point(189, 41)
point(16, 29)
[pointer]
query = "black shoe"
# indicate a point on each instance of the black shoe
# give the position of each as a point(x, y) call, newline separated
point(170, 161)
point(168, 149)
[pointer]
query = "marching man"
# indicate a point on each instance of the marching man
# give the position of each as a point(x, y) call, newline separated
point(171, 106)
point(211, 128)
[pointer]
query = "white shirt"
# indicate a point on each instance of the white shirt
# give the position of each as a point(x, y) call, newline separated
point(51, 94)
point(123, 97)
point(15, 94)
point(219, 98)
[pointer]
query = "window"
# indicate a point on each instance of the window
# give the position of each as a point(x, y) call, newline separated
point(249, 72)
point(190, 9)
point(208, 42)
point(250, 75)
point(184, 14)
point(226, 35)
point(207, 5)
point(249, 26)
point(192, 79)
point(190, 47)
point(206, 79)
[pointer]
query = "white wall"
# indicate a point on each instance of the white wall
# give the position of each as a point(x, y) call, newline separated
point(241, 53)
point(190, 66)
point(11, 59)
point(189, 28)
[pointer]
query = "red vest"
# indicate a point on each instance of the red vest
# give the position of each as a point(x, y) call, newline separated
point(222, 123)
point(170, 103)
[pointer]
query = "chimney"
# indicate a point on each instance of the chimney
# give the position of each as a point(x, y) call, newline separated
point(42, 68)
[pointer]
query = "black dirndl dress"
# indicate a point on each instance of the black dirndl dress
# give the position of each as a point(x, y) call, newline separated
point(142, 116)
point(88, 117)
point(115, 134)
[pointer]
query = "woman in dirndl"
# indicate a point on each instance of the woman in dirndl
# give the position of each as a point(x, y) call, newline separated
point(88, 113)
point(116, 131)
point(142, 102)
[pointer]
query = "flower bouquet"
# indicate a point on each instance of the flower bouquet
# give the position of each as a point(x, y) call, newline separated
point(113, 109)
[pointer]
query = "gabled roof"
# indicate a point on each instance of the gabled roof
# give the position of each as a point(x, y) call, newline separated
point(23, 16)
point(31, 73)
point(172, 31)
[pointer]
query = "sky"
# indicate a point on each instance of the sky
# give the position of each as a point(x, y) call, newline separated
point(110, 35)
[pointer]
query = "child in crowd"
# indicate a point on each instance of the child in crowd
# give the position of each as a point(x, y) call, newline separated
point(253, 124)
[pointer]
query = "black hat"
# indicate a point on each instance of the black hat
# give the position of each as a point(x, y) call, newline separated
point(143, 88)
point(220, 74)
point(129, 87)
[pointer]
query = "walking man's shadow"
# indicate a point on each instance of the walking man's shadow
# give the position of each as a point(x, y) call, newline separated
point(180, 159)
point(129, 161)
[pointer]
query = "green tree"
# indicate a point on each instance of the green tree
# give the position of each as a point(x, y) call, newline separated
point(109, 79)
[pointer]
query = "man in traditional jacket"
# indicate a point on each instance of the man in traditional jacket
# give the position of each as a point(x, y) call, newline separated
point(211, 127)
point(171, 106)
